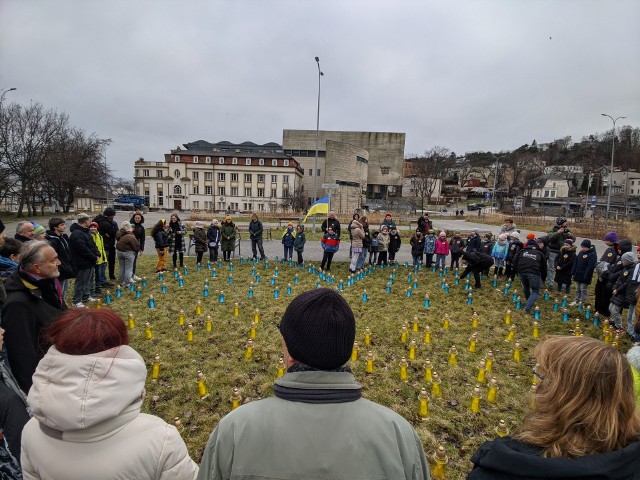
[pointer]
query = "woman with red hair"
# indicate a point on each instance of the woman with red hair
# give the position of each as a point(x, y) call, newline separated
point(86, 398)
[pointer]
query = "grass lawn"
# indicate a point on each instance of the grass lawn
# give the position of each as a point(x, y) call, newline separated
point(220, 353)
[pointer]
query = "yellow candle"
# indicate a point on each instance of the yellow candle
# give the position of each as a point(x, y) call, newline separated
point(404, 333)
point(427, 334)
point(209, 323)
point(369, 362)
point(199, 308)
point(493, 390)
point(475, 399)
point(482, 372)
point(453, 355)
point(445, 322)
point(427, 371)
point(473, 340)
point(488, 364)
point(249, 353)
point(256, 316)
point(423, 409)
point(403, 369)
point(235, 399)
point(147, 331)
point(181, 318)
point(354, 352)
point(516, 352)
point(155, 370)
point(236, 310)
point(436, 391)
point(474, 320)
point(132, 322)
point(440, 464)
point(507, 317)
point(367, 336)
point(202, 387)
point(536, 330)
point(501, 429)
point(412, 350)
point(415, 324)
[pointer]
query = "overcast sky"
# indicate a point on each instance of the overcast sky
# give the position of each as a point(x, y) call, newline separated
point(468, 75)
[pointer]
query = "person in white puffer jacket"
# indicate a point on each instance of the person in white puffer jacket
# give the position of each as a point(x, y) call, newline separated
point(86, 398)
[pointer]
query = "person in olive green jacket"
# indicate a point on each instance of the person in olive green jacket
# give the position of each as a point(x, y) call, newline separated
point(228, 235)
point(317, 425)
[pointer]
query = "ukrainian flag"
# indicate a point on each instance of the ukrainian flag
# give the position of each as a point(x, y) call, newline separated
point(320, 206)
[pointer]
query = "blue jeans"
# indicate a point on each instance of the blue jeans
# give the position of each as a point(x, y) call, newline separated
point(531, 287)
point(257, 243)
point(288, 253)
point(125, 259)
point(362, 258)
point(630, 317)
point(441, 260)
point(101, 274)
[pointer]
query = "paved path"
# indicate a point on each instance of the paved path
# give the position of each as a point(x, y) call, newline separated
point(313, 251)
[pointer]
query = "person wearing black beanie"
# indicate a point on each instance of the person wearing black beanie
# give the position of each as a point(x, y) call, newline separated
point(323, 426)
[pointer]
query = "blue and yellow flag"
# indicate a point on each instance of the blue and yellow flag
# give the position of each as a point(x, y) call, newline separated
point(320, 206)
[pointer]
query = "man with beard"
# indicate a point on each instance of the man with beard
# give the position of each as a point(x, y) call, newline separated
point(34, 301)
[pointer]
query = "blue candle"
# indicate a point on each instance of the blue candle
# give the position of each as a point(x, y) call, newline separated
point(138, 293)
point(365, 297)
point(175, 273)
point(214, 273)
point(288, 289)
point(152, 302)
point(205, 292)
point(257, 279)
point(341, 285)
point(415, 284)
point(163, 288)
point(250, 292)
point(547, 296)
point(295, 279)
point(518, 304)
point(556, 306)
point(253, 272)
point(427, 302)
point(276, 273)
point(409, 292)
point(144, 281)
point(231, 267)
point(208, 265)
point(161, 277)
point(230, 279)
point(185, 271)
point(565, 316)
point(596, 320)
point(276, 292)
point(470, 299)
point(221, 297)
point(536, 314)
point(118, 292)
point(318, 285)
point(180, 282)
point(132, 287)
point(446, 288)
point(388, 288)
point(107, 298)
point(495, 282)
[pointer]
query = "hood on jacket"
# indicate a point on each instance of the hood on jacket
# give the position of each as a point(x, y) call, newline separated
point(633, 356)
point(77, 392)
point(301, 228)
point(508, 458)
point(568, 248)
point(625, 246)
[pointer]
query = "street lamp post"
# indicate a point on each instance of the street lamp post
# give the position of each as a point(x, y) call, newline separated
point(613, 149)
point(495, 177)
point(5, 92)
point(315, 167)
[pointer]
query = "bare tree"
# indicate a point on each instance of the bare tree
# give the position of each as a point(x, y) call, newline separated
point(428, 171)
point(296, 200)
point(26, 139)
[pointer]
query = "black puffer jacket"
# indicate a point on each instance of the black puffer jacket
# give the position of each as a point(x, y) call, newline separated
point(531, 260)
point(108, 229)
point(84, 250)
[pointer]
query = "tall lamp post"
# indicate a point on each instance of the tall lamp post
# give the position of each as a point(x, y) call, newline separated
point(315, 166)
point(495, 177)
point(5, 92)
point(613, 149)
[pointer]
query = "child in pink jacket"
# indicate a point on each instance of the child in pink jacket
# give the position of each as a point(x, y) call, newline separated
point(442, 250)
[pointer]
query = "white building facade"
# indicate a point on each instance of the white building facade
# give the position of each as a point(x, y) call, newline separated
point(219, 177)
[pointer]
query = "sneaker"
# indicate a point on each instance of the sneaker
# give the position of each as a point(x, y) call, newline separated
point(91, 299)
point(79, 305)
point(620, 330)
point(136, 278)
point(573, 304)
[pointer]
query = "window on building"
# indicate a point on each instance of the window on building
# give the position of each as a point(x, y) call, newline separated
point(274, 179)
point(221, 191)
point(234, 191)
point(196, 159)
point(160, 199)
point(273, 193)
point(208, 205)
point(208, 176)
point(261, 192)
point(196, 190)
point(285, 179)
point(274, 162)
point(285, 162)
point(260, 178)
point(234, 161)
point(234, 206)
point(176, 173)
point(136, 173)
point(159, 173)
point(208, 190)
point(247, 192)
point(261, 207)
point(261, 161)
point(553, 194)
point(146, 196)
point(247, 177)
point(207, 160)
point(311, 172)
point(222, 206)
point(145, 172)
point(221, 160)
point(196, 205)
point(234, 177)
point(361, 159)
point(196, 175)
point(176, 158)
point(221, 177)
point(247, 161)
point(177, 190)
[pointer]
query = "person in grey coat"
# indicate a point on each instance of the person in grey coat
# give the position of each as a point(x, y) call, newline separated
point(325, 429)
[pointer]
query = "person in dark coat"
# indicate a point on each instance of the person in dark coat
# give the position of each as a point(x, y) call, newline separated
point(456, 244)
point(34, 301)
point(477, 262)
point(425, 224)
point(608, 259)
point(201, 243)
point(137, 223)
point(25, 231)
point(474, 242)
point(564, 266)
point(61, 244)
point(394, 244)
point(86, 255)
point(213, 237)
point(255, 235)
point(107, 227)
point(620, 297)
point(585, 386)
point(417, 247)
point(531, 266)
point(583, 269)
point(228, 233)
point(177, 233)
point(515, 245)
point(298, 243)
point(160, 235)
